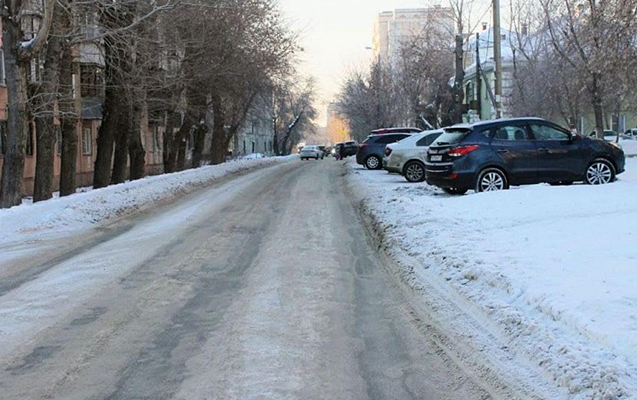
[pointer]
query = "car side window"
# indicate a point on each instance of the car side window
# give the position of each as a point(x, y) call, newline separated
point(509, 132)
point(389, 139)
point(545, 132)
point(427, 140)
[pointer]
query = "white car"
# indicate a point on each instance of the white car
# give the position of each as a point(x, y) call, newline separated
point(630, 134)
point(407, 157)
point(314, 152)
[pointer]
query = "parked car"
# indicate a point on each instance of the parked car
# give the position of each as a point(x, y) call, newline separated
point(314, 152)
point(609, 135)
point(370, 152)
point(492, 155)
point(395, 130)
point(351, 148)
point(630, 134)
point(408, 156)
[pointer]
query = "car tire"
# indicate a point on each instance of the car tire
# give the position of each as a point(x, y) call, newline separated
point(414, 172)
point(600, 172)
point(491, 179)
point(455, 191)
point(373, 162)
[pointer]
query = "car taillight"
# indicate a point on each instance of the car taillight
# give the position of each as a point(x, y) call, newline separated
point(388, 151)
point(462, 150)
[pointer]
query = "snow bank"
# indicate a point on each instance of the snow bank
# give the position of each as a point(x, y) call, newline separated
point(554, 267)
point(86, 210)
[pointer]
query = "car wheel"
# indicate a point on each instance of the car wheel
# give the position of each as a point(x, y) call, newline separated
point(600, 172)
point(414, 171)
point(373, 162)
point(491, 179)
point(454, 191)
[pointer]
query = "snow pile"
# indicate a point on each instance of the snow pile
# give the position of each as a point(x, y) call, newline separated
point(85, 210)
point(554, 267)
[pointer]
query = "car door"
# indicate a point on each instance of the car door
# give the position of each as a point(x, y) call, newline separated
point(560, 158)
point(515, 150)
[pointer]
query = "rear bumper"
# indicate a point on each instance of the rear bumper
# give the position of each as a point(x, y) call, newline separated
point(445, 176)
point(391, 166)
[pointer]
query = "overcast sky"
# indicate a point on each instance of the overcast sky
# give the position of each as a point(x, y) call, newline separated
point(334, 36)
point(335, 33)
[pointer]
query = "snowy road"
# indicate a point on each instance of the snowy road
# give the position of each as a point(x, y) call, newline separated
point(261, 287)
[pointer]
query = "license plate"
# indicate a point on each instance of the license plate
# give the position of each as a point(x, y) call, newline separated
point(436, 158)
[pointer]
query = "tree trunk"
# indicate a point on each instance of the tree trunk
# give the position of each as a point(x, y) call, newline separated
point(68, 124)
point(598, 107)
point(120, 159)
point(217, 150)
point(16, 79)
point(458, 93)
point(107, 133)
point(199, 145)
point(136, 148)
point(68, 169)
point(177, 155)
point(167, 141)
point(43, 187)
point(46, 132)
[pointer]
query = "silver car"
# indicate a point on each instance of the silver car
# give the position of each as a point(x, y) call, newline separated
point(407, 157)
point(314, 152)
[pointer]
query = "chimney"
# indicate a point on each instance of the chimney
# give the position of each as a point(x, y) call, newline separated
point(485, 26)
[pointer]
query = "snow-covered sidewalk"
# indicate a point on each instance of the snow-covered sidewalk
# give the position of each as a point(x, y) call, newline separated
point(554, 267)
point(81, 212)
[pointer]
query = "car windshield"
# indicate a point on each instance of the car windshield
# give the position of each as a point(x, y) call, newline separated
point(451, 136)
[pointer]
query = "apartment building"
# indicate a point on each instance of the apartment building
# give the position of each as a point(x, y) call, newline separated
point(89, 95)
point(392, 29)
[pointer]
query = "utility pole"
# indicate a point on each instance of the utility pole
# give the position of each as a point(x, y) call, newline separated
point(497, 54)
point(478, 78)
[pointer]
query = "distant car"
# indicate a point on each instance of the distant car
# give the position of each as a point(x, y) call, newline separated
point(609, 135)
point(630, 134)
point(492, 155)
point(408, 156)
point(308, 152)
point(351, 148)
point(370, 152)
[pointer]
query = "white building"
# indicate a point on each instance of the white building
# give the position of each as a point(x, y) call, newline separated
point(392, 29)
point(257, 133)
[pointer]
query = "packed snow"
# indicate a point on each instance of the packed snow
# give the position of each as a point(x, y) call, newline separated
point(554, 267)
point(83, 211)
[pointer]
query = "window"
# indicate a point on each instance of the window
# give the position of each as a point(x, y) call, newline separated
point(3, 138)
point(545, 132)
point(30, 140)
point(428, 140)
point(91, 81)
point(510, 132)
point(253, 146)
point(87, 141)
point(386, 139)
point(3, 77)
point(244, 147)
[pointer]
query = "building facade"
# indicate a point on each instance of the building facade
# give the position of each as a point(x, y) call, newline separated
point(88, 81)
point(256, 135)
point(337, 126)
point(392, 29)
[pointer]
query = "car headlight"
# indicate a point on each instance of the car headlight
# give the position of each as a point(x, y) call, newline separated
point(617, 145)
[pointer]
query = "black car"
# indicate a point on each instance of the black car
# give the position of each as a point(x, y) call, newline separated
point(492, 155)
point(351, 148)
point(370, 152)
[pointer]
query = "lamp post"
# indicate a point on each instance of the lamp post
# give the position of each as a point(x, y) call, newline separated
point(497, 55)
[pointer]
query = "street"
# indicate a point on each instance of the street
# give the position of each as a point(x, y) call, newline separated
point(264, 286)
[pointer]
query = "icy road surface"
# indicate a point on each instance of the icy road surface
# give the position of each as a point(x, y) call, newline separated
point(261, 287)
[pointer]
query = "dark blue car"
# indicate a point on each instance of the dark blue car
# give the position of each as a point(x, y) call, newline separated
point(370, 152)
point(493, 155)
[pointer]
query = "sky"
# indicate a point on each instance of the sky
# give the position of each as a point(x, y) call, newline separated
point(334, 35)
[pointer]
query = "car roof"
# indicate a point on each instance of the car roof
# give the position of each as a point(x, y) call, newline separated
point(492, 122)
point(383, 131)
